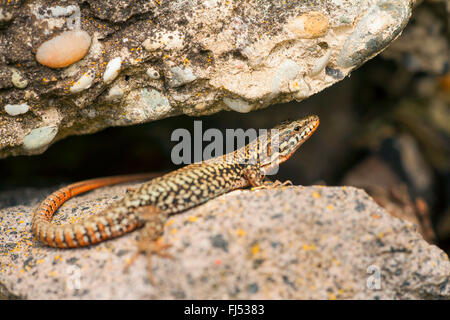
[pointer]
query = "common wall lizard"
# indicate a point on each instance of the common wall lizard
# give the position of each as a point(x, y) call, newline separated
point(150, 205)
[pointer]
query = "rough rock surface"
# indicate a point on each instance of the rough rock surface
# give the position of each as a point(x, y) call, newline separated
point(154, 59)
point(291, 242)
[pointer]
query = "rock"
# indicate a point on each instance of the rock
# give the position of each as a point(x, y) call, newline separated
point(284, 243)
point(64, 49)
point(203, 52)
point(403, 154)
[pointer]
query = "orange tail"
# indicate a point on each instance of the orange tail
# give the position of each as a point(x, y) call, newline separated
point(44, 212)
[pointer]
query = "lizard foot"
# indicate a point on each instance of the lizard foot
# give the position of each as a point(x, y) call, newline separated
point(273, 184)
point(149, 248)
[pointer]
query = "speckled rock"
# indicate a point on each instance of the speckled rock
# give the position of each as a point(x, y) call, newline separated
point(285, 243)
point(200, 56)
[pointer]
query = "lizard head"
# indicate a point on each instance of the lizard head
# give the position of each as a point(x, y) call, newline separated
point(283, 140)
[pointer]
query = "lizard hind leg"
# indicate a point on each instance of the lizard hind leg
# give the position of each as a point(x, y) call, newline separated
point(150, 241)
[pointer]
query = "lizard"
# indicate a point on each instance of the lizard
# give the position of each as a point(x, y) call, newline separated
point(149, 206)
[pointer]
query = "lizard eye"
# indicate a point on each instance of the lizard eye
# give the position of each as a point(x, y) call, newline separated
point(297, 128)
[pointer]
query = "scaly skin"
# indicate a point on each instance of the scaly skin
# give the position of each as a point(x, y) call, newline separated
point(153, 202)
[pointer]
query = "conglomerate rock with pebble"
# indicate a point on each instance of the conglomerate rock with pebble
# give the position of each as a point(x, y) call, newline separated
point(80, 66)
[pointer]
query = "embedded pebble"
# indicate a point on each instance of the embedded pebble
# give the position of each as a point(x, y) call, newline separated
point(56, 12)
point(153, 99)
point(112, 69)
point(200, 106)
point(16, 109)
point(301, 89)
point(288, 70)
point(172, 40)
point(64, 49)
point(238, 105)
point(83, 83)
point(114, 93)
point(181, 76)
point(167, 40)
point(152, 73)
point(335, 73)
point(151, 45)
point(17, 78)
point(321, 63)
point(90, 113)
point(309, 25)
point(39, 137)
point(5, 16)
point(147, 104)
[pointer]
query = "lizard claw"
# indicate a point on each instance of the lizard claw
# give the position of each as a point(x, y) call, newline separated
point(273, 184)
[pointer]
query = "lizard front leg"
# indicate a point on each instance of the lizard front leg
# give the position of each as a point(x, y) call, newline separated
point(254, 176)
point(259, 181)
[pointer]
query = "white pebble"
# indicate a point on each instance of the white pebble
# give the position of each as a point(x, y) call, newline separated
point(114, 93)
point(181, 76)
point(39, 137)
point(321, 63)
point(18, 80)
point(169, 40)
point(16, 109)
point(83, 83)
point(238, 105)
point(301, 89)
point(112, 69)
point(5, 16)
point(152, 73)
point(288, 70)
